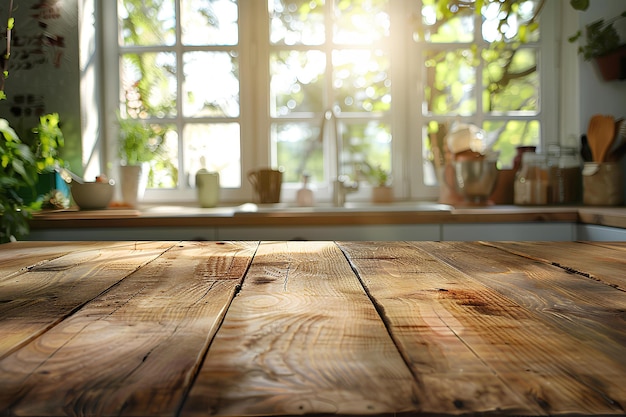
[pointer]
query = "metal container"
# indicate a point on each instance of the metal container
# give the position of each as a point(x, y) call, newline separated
point(475, 179)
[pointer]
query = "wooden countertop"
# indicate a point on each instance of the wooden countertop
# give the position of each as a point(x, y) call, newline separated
point(180, 216)
point(320, 328)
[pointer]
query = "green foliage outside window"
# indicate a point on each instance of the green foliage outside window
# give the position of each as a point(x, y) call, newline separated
point(499, 69)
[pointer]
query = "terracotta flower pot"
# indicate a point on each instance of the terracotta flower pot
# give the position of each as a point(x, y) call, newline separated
point(382, 194)
point(612, 66)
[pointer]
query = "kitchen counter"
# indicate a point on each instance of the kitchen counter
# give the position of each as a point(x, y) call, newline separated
point(289, 328)
point(356, 221)
point(400, 213)
point(603, 216)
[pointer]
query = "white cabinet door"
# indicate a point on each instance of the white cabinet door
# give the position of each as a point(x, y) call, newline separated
point(600, 233)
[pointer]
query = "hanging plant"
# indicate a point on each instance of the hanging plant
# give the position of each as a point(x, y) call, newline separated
point(601, 38)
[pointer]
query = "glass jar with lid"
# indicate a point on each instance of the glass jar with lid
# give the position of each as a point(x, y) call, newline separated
point(565, 174)
point(531, 181)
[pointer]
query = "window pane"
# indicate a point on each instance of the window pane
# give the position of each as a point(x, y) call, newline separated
point(511, 81)
point(298, 151)
point(209, 22)
point(450, 82)
point(164, 168)
point(516, 24)
point(434, 151)
point(511, 134)
point(296, 22)
point(296, 82)
point(148, 83)
point(361, 80)
point(457, 27)
point(361, 22)
point(211, 85)
point(147, 22)
point(368, 144)
point(216, 147)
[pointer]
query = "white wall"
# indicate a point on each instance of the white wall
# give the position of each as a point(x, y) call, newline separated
point(597, 95)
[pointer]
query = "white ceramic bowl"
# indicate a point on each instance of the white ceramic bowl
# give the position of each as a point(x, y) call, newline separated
point(92, 195)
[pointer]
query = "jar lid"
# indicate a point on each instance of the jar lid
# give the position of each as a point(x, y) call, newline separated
point(534, 158)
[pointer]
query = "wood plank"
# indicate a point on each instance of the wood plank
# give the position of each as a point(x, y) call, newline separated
point(16, 257)
point(499, 304)
point(301, 337)
point(604, 262)
point(134, 349)
point(41, 296)
point(611, 245)
point(577, 303)
point(586, 309)
point(431, 331)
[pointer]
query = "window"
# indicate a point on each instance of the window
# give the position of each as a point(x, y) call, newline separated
point(324, 87)
point(475, 72)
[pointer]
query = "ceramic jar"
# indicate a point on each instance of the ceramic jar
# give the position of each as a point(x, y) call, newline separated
point(208, 187)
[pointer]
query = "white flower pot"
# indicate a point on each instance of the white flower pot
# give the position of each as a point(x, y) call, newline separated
point(134, 179)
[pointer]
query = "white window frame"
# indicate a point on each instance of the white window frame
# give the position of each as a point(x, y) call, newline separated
point(406, 115)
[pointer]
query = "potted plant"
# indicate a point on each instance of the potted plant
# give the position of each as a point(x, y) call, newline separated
point(17, 164)
point(602, 44)
point(381, 184)
point(140, 144)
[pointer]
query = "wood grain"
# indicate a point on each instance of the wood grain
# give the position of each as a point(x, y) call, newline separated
point(17, 257)
point(133, 349)
point(542, 330)
point(413, 291)
point(301, 337)
point(38, 297)
point(602, 261)
point(318, 328)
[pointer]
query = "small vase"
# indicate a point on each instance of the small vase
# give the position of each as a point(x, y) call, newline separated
point(134, 179)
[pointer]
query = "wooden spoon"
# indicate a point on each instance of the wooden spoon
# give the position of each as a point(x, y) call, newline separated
point(600, 134)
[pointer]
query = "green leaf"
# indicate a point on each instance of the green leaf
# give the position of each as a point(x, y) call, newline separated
point(523, 33)
point(575, 36)
point(580, 4)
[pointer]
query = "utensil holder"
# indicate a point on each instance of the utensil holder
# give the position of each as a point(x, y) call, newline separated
point(602, 184)
point(267, 184)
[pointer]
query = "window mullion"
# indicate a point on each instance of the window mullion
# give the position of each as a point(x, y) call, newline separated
point(478, 41)
point(331, 135)
point(179, 97)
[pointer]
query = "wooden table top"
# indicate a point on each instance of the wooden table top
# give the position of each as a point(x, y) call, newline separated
point(289, 328)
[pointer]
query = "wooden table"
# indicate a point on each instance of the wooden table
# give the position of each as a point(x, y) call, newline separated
point(287, 328)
